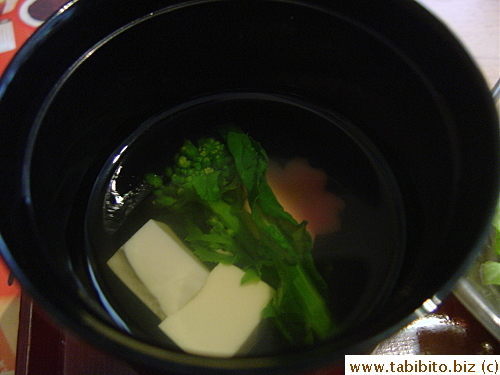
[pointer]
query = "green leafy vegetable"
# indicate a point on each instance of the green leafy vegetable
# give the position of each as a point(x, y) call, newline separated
point(226, 211)
point(491, 273)
point(490, 270)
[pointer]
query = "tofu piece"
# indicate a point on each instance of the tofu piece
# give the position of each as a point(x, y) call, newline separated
point(222, 316)
point(168, 269)
point(120, 265)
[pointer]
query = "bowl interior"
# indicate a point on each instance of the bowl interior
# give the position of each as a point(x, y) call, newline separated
point(391, 130)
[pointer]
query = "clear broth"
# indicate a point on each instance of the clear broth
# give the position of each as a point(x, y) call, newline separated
point(360, 263)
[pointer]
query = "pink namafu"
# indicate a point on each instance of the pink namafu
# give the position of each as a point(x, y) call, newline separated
point(300, 189)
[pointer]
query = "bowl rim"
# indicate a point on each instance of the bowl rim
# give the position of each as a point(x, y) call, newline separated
point(108, 337)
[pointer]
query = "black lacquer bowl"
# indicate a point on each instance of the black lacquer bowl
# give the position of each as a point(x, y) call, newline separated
point(378, 94)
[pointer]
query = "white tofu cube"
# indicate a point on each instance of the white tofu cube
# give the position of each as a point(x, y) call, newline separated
point(168, 269)
point(222, 316)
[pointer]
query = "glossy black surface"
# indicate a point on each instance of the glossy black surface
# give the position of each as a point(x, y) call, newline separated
point(85, 81)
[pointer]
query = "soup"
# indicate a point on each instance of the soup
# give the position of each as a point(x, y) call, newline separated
point(331, 181)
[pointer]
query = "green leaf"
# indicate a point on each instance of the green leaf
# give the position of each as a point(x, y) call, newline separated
point(496, 226)
point(250, 159)
point(207, 185)
point(298, 308)
point(496, 241)
point(496, 220)
point(251, 275)
point(490, 272)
